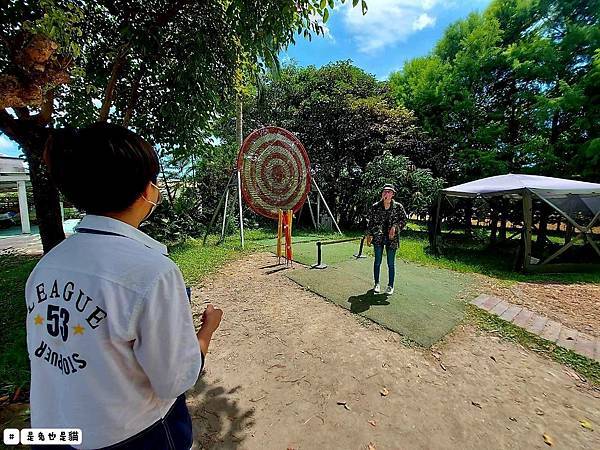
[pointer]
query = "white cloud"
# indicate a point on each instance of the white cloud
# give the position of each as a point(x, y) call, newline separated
point(423, 21)
point(388, 22)
point(326, 31)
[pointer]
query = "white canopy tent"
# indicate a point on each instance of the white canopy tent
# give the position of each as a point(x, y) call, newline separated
point(577, 201)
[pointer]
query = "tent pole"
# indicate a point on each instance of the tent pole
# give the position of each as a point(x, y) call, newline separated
point(564, 214)
point(436, 224)
point(527, 218)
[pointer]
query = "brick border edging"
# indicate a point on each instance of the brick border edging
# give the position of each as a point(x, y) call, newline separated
point(541, 326)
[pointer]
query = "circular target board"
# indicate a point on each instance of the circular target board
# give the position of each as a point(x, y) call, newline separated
point(275, 171)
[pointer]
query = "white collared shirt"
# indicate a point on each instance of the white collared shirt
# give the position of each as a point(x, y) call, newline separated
point(109, 332)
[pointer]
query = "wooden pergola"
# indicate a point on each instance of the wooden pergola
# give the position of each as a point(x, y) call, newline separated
point(12, 171)
point(571, 199)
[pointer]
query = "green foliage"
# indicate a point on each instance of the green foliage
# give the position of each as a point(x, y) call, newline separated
point(513, 89)
point(60, 21)
point(416, 188)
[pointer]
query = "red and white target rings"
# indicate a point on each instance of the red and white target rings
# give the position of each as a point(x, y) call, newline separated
point(275, 171)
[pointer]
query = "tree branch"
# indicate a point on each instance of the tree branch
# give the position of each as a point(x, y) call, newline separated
point(134, 97)
point(112, 83)
point(22, 113)
point(45, 114)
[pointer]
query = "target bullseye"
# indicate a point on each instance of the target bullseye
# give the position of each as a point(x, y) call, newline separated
point(274, 170)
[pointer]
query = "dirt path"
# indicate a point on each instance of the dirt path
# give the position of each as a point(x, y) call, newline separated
point(285, 357)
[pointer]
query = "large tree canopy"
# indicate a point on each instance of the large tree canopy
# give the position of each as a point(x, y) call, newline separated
point(161, 67)
point(514, 88)
point(345, 118)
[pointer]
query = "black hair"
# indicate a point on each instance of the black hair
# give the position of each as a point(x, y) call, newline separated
point(101, 168)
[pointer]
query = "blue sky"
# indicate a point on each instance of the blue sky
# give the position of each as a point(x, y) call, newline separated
point(391, 32)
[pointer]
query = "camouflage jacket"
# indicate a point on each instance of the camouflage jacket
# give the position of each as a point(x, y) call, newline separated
point(381, 220)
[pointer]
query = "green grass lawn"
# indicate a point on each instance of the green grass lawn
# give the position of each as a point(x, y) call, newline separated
point(14, 363)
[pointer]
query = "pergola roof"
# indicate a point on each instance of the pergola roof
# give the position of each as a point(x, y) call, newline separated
point(12, 169)
point(517, 183)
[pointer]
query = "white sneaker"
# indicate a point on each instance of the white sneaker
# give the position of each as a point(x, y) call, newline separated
point(377, 288)
point(389, 290)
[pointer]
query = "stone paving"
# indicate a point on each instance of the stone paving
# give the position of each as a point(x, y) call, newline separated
point(29, 244)
point(541, 326)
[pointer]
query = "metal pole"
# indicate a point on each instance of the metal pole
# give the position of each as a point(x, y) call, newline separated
point(239, 132)
point(224, 216)
point(527, 217)
point(360, 249)
point(327, 206)
point(312, 216)
point(319, 264)
point(318, 212)
point(217, 209)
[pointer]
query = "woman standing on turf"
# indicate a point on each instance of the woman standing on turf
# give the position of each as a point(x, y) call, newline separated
point(386, 219)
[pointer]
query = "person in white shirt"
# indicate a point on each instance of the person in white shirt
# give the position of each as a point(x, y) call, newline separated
point(110, 335)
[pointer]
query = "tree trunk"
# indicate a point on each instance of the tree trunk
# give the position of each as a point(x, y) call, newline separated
point(46, 199)
point(32, 138)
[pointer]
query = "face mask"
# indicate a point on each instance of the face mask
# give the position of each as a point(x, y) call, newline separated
point(154, 204)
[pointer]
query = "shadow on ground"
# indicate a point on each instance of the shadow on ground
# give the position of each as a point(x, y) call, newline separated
point(218, 421)
point(363, 302)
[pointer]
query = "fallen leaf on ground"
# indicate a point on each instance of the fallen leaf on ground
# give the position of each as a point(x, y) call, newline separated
point(384, 392)
point(372, 423)
point(548, 440)
point(586, 424)
point(476, 404)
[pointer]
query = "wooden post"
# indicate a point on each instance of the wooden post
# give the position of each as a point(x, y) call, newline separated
point(527, 219)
